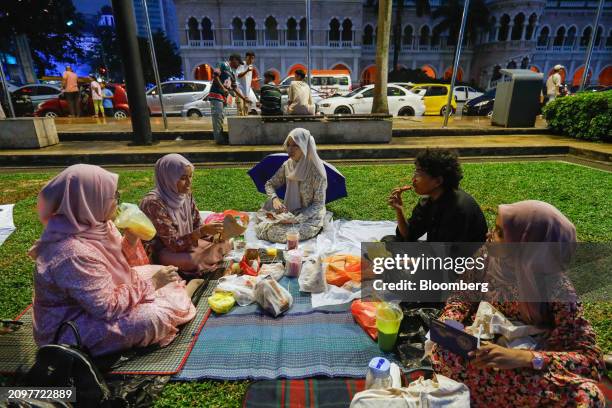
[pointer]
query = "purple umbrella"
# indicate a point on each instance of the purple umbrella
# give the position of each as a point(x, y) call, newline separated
point(265, 169)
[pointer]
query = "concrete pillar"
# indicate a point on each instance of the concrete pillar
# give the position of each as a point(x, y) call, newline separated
point(524, 31)
point(283, 67)
point(497, 27)
point(355, 73)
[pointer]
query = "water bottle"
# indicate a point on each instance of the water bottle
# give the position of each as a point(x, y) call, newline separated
point(379, 375)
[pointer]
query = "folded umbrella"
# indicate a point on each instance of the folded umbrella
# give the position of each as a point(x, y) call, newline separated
point(265, 169)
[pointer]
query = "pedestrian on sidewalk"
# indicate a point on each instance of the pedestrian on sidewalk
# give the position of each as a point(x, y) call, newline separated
point(224, 83)
point(270, 96)
point(71, 91)
point(96, 97)
point(107, 101)
point(300, 98)
point(244, 75)
point(553, 84)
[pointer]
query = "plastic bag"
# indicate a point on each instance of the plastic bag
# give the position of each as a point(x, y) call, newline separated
point(130, 217)
point(241, 287)
point(272, 297)
point(364, 314)
point(342, 268)
point(276, 270)
point(312, 278)
point(219, 217)
point(221, 302)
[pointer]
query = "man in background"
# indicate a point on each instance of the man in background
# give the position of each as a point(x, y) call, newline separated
point(300, 98)
point(245, 76)
point(270, 96)
point(71, 91)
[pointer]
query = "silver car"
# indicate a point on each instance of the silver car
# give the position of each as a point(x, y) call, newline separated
point(176, 95)
point(37, 93)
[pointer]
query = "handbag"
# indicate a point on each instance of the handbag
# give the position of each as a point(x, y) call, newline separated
point(65, 365)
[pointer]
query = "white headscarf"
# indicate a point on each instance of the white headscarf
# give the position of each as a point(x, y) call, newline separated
point(296, 172)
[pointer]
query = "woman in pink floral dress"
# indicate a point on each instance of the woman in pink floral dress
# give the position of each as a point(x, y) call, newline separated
point(82, 275)
point(564, 371)
point(182, 240)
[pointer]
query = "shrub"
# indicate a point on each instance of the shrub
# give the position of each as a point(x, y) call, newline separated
point(586, 115)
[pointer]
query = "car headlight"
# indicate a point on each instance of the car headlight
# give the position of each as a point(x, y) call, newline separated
point(325, 105)
point(481, 104)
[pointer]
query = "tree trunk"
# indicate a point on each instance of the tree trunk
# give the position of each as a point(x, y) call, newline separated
point(25, 57)
point(379, 104)
point(397, 36)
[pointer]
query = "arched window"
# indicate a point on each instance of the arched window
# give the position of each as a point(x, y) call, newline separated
point(303, 30)
point(251, 32)
point(560, 37)
point(292, 33)
point(586, 35)
point(517, 29)
point(407, 40)
point(492, 28)
point(504, 28)
point(271, 31)
point(435, 36)
point(525, 63)
point(571, 37)
point(598, 37)
point(533, 19)
point(511, 65)
point(237, 30)
point(424, 36)
point(334, 30)
point(194, 31)
point(207, 32)
point(347, 30)
point(368, 35)
point(543, 37)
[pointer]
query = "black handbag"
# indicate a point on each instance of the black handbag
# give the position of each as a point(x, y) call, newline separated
point(64, 365)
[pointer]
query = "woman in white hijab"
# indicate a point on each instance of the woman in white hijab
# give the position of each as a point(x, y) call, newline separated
point(305, 180)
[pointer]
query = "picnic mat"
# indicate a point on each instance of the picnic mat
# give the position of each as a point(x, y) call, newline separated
point(248, 344)
point(18, 350)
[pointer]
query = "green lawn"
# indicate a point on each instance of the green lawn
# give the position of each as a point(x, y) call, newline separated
point(581, 193)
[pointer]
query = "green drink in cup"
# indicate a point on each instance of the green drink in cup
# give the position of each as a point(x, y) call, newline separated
point(388, 319)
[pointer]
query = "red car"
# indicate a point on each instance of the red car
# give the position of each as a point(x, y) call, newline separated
point(59, 107)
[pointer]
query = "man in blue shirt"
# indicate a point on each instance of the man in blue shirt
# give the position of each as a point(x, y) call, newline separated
point(107, 100)
point(224, 82)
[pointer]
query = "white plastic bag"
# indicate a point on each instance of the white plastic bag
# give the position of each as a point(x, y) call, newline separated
point(272, 297)
point(312, 277)
point(129, 216)
point(242, 287)
point(276, 270)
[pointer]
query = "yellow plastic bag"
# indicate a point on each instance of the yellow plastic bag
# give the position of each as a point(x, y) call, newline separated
point(222, 302)
point(130, 217)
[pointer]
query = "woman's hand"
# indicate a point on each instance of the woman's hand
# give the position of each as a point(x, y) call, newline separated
point(490, 355)
point(131, 238)
point(164, 276)
point(278, 205)
point(212, 228)
point(395, 198)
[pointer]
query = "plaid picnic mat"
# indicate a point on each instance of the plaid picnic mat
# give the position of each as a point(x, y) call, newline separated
point(246, 343)
point(18, 349)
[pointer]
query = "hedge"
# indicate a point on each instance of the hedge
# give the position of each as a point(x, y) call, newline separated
point(586, 115)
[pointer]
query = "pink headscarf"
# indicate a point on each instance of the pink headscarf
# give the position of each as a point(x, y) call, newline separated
point(534, 221)
point(77, 202)
point(168, 171)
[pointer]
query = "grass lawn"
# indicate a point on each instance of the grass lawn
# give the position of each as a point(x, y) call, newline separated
point(581, 193)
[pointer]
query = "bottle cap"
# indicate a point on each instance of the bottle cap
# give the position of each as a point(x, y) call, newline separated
point(379, 367)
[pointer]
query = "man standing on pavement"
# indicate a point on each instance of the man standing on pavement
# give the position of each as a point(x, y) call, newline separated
point(245, 77)
point(71, 91)
point(553, 83)
point(96, 97)
point(224, 82)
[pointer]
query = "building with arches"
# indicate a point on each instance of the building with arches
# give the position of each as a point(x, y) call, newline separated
point(530, 34)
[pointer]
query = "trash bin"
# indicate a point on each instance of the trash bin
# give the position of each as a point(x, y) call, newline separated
point(517, 98)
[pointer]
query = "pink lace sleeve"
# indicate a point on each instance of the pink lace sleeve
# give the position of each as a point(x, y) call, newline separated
point(89, 283)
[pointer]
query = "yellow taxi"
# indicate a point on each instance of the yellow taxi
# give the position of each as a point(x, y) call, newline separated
point(435, 97)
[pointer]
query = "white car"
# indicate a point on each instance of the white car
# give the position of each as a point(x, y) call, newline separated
point(176, 95)
point(465, 93)
point(201, 107)
point(37, 93)
point(401, 102)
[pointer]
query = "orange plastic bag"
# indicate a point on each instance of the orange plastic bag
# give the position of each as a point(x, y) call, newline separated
point(342, 268)
point(364, 314)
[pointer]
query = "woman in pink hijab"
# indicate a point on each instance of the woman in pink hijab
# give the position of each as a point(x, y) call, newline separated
point(565, 366)
point(181, 238)
point(82, 275)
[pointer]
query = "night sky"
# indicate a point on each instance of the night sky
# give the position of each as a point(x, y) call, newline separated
point(90, 6)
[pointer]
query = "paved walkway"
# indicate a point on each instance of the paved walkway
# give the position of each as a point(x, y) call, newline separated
point(93, 125)
point(205, 151)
